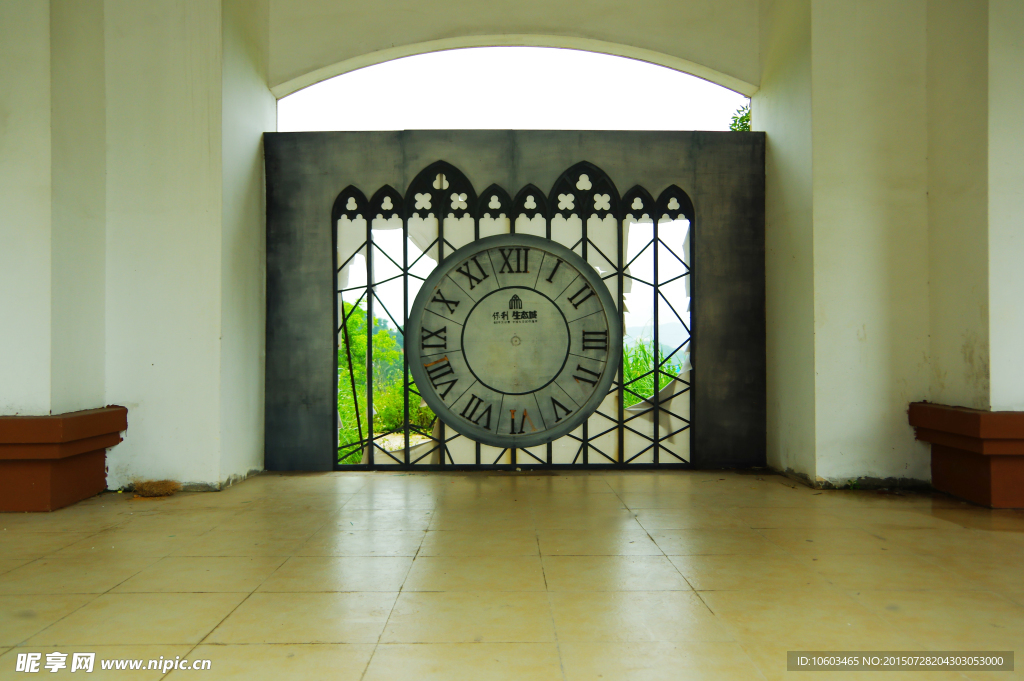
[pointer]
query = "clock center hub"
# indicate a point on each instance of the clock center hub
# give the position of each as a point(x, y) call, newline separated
point(515, 340)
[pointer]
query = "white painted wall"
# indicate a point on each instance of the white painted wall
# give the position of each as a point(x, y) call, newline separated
point(782, 109)
point(163, 271)
point(25, 221)
point(878, 294)
point(248, 110)
point(956, 117)
point(1006, 203)
point(78, 163)
point(717, 38)
point(870, 237)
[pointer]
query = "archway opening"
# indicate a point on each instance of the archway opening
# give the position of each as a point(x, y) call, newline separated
point(515, 88)
point(524, 88)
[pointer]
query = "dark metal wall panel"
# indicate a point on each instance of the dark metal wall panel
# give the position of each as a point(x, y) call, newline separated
point(722, 172)
point(729, 393)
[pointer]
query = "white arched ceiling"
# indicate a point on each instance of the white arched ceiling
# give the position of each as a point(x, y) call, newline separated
point(713, 39)
point(523, 88)
point(589, 45)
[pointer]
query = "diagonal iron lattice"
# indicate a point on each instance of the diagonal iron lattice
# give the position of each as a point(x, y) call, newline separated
point(582, 200)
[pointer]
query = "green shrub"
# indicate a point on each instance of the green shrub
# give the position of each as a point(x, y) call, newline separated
point(741, 119)
point(388, 385)
point(637, 360)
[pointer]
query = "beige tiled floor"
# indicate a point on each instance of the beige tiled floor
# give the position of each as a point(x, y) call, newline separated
point(629, 576)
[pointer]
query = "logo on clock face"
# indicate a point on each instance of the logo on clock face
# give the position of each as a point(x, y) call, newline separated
point(518, 326)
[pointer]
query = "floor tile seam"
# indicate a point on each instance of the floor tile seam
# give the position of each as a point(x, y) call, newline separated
point(676, 568)
point(54, 593)
point(224, 619)
point(1017, 604)
point(191, 536)
point(927, 558)
point(245, 591)
point(540, 559)
point(457, 591)
point(51, 552)
point(405, 579)
point(955, 572)
point(554, 632)
point(619, 497)
point(160, 559)
point(132, 575)
point(997, 594)
point(263, 581)
point(872, 615)
point(28, 561)
point(387, 620)
point(309, 538)
point(655, 542)
point(927, 590)
point(401, 587)
point(231, 555)
point(186, 656)
point(615, 591)
point(778, 546)
point(721, 622)
point(373, 652)
point(228, 644)
point(601, 555)
point(88, 533)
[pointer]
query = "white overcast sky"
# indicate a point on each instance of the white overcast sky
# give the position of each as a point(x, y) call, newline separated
point(519, 88)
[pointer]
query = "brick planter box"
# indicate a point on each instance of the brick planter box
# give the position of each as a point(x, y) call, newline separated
point(976, 455)
point(48, 462)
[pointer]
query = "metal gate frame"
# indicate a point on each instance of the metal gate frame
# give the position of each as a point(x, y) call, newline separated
point(722, 172)
point(435, 181)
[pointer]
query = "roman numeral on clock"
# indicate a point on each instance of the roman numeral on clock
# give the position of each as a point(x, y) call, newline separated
point(522, 260)
point(450, 304)
point(439, 338)
point(595, 340)
point(581, 296)
point(522, 423)
point(470, 412)
point(466, 270)
point(438, 371)
point(556, 405)
point(592, 380)
point(555, 269)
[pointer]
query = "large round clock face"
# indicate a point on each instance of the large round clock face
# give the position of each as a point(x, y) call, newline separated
point(513, 340)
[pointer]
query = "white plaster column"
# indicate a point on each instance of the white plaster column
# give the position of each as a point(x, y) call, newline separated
point(78, 153)
point(52, 180)
point(1006, 203)
point(956, 118)
point(841, 100)
point(187, 103)
point(249, 109)
point(782, 109)
point(25, 225)
point(870, 237)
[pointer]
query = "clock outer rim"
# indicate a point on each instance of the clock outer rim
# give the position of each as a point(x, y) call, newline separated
point(599, 393)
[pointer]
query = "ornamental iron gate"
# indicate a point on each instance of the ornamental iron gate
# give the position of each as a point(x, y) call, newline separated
point(339, 282)
point(384, 248)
